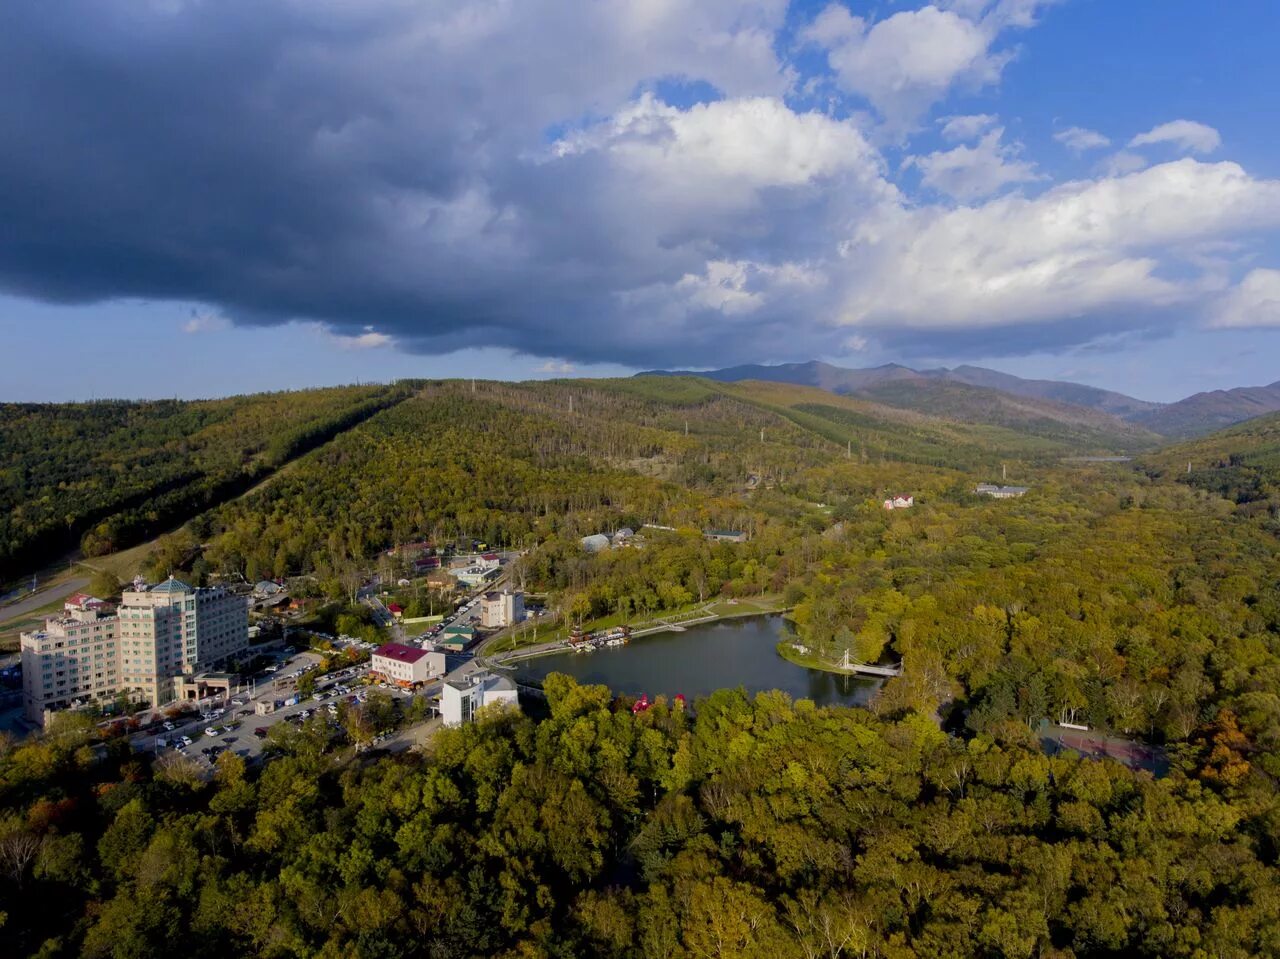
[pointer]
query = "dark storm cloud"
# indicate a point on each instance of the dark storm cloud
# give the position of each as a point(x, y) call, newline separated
point(326, 163)
point(388, 164)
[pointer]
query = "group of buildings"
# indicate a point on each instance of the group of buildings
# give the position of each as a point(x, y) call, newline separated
point(1000, 492)
point(153, 647)
point(906, 500)
point(460, 698)
point(602, 541)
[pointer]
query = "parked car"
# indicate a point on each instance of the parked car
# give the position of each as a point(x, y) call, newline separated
point(186, 741)
point(211, 731)
point(167, 725)
point(260, 732)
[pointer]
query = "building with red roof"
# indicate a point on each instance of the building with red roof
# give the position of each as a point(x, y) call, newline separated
point(406, 665)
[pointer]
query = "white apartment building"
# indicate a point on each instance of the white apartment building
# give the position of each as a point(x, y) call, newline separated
point(461, 699)
point(72, 660)
point(498, 610)
point(157, 634)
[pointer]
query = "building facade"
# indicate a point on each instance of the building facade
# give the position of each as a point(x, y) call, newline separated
point(73, 660)
point(461, 699)
point(406, 664)
point(158, 635)
point(499, 610)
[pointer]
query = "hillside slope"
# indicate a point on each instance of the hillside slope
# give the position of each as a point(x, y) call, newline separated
point(116, 472)
point(1077, 394)
point(1205, 412)
point(949, 394)
point(1241, 463)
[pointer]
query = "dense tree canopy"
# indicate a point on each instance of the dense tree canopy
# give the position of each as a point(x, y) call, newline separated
point(115, 471)
point(761, 827)
point(1136, 598)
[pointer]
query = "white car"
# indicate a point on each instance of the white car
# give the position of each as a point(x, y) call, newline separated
point(168, 726)
point(211, 731)
point(186, 741)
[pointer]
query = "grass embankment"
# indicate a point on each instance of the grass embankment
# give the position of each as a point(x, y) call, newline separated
point(787, 650)
point(714, 610)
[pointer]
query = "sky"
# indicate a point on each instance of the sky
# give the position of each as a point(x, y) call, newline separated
point(202, 198)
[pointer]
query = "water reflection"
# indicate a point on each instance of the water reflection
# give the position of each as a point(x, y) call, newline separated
point(703, 659)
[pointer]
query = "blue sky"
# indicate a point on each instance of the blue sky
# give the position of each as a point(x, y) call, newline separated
point(203, 199)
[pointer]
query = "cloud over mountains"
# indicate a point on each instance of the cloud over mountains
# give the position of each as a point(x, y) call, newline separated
point(536, 175)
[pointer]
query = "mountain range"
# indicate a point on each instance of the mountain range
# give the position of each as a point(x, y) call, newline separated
point(976, 394)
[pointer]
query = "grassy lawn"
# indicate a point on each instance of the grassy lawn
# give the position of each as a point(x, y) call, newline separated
point(809, 660)
point(125, 564)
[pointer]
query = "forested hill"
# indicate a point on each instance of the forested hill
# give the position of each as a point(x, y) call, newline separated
point(1017, 400)
point(1241, 463)
point(931, 824)
point(514, 462)
point(107, 474)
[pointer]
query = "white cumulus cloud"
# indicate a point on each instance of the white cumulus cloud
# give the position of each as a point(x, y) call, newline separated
point(1187, 135)
point(1081, 139)
point(1254, 302)
point(961, 129)
point(973, 172)
point(1077, 249)
point(906, 62)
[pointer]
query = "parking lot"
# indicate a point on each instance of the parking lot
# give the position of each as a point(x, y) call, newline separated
point(236, 728)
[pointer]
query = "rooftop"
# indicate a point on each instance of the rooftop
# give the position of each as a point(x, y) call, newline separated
point(400, 652)
point(171, 585)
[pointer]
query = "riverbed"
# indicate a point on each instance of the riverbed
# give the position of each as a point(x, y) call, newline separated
point(702, 659)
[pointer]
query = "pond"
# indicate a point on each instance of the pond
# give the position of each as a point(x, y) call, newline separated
point(727, 654)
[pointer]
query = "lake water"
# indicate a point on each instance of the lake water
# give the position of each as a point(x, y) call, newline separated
point(728, 654)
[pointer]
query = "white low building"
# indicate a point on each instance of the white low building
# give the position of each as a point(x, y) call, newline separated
point(1000, 492)
point(407, 665)
point(500, 610)
point(461, 699)
point(904, 501)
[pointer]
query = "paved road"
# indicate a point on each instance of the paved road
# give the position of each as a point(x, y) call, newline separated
point(243, 742)
point(34, 601)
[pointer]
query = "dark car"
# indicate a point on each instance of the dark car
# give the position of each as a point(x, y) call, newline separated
point(260, 732)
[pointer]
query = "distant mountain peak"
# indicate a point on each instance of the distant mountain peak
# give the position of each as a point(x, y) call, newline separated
point(1200, 413)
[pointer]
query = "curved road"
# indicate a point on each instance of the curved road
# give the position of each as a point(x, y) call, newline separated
point(51, 594)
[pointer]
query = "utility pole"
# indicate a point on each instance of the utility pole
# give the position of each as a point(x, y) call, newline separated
point(473, 384)
point(570, 402)
point(762, 434)
point(1188, 467)
point(686, 427)
point(848, 450)
point(1004, 472)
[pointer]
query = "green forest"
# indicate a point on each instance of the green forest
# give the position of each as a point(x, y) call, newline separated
point(759, 828)
point(1139, 598)
point(108, 474)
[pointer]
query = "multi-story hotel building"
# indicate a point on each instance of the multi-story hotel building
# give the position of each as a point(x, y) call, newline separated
point(73, 658)
point(157, 635)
